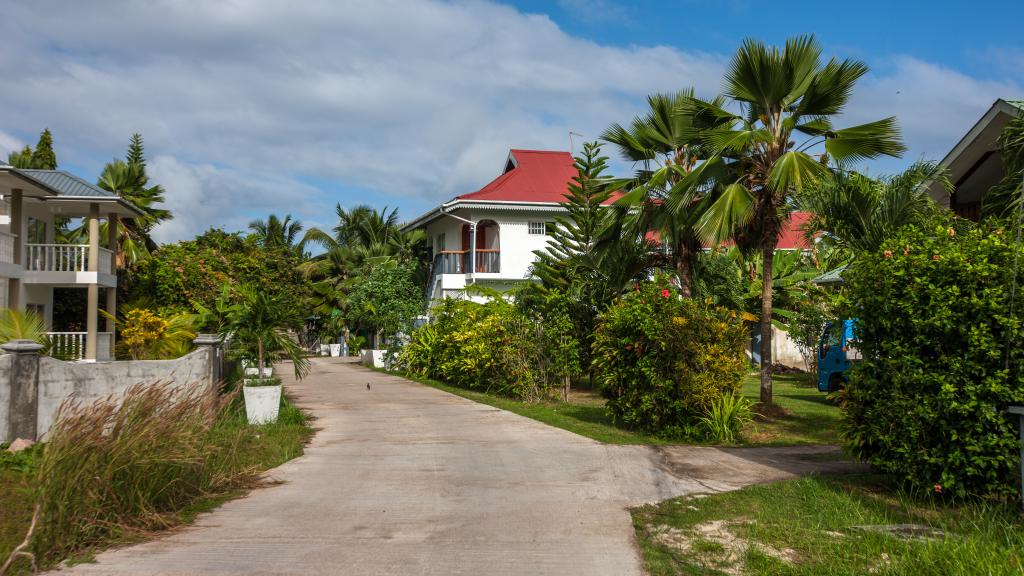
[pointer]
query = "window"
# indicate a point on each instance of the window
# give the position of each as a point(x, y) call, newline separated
point(440, 242)
point(538, 228)
point(36, 231)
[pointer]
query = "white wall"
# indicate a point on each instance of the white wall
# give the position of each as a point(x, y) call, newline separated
point(515, 243)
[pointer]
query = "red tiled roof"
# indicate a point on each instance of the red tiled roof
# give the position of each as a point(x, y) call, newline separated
point(531, 176)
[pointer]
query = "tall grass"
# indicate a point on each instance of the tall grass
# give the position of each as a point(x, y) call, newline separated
point(726, 417)
point(120, 468)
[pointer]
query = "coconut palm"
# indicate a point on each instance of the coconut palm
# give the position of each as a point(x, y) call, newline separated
point(257, 324)
point(275, 232)
point(857, 213)
point(771, 140)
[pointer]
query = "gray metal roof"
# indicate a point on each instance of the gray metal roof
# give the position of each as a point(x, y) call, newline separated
point(67, 184)
point(832, 276)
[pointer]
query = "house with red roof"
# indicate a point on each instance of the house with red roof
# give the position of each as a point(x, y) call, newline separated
point(488, 237)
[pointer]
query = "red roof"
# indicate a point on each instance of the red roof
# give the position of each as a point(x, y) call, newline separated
point(544, 176)
point(530, 176)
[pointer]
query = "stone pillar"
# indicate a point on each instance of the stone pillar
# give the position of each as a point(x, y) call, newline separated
point(93, 297)
point(23, 411)
point(214, 346)
point(112, 223)
point(14, 298)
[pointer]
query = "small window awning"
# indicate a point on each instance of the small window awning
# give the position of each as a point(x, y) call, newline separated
point(832, 277)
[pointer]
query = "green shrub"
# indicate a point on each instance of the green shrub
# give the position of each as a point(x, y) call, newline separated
point(928, 402)
point(726, 417)
point(662, 361)
point(491, 347)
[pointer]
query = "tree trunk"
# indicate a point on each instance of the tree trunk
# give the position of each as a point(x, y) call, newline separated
point(565, 391)
point(766, 323)
point(259, 354)
point(684, 269)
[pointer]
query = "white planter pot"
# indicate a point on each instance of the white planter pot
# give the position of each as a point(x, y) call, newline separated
point(335, 350)
point(372, 358)
point(325, 350)
point(262, 403)
point(254, 372)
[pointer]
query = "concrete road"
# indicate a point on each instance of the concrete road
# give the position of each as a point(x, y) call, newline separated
point(406, 479)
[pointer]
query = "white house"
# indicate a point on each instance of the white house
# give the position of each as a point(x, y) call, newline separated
point(488, 237)
point(32, 264)
point(509, 219)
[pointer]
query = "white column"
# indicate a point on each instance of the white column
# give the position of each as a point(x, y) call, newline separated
point(112, 222)
point(15, 299)
point(93, 297)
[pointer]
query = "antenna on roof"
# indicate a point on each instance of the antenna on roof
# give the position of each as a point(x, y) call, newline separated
point(571, 134)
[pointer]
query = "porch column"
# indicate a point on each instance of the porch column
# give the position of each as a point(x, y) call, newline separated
point(93, 297)
point(112, 222)
point(14, 300)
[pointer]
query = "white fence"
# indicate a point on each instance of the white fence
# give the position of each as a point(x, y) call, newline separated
point(71, 345)
point(64, 258)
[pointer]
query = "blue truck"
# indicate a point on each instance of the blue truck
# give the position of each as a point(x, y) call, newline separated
point(837, 353)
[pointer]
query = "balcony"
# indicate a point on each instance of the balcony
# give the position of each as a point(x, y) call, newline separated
point(65, 258)
point(71, 345)
point(457, 262)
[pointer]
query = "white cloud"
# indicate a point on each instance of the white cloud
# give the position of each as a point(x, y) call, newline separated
point(252, 106)
point(8, 143)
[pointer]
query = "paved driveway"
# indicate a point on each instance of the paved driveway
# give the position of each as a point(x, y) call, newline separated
point(406, 479)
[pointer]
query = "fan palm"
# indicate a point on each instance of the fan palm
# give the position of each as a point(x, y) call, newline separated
point(858, 213)
point(666, 147)
point(781, 104)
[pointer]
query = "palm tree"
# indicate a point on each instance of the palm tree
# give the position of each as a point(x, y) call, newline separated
point(128, 179)
point(257, 324)
point(780, 109)
point(275, 232)
point(858, 213)
point(666, 147)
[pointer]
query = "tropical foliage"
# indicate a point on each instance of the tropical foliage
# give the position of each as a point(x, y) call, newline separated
point(144, 335)
point(258, 323)
point(769, 137)
point(276, 232)
point(942, 355)
point(41, 158)
point(386, 301)
point(663, 361)
point(1005, 198)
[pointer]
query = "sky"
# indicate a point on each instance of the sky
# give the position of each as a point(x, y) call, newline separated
point(252, 107)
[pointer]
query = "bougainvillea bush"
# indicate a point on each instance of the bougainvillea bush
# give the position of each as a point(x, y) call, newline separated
point(662, 361)
point(928, 402)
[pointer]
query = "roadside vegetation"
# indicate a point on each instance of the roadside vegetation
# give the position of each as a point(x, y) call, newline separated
point(829, 525)
point(111, 474)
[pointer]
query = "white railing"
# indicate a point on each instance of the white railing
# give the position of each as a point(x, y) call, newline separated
point(7, 248)
point(65, 258)
point(71, 345)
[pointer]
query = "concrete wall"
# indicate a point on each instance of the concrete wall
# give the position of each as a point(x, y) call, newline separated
point(32, 387)
point(5, 395)
point(90, 381)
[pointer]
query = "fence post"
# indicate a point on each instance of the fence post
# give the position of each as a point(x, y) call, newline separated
point(215, 352)
point(23, 411)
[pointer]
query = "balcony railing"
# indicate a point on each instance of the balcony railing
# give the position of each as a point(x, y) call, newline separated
point(71, 345)
point(64, 258)
point(457, 261)
point(7, 248)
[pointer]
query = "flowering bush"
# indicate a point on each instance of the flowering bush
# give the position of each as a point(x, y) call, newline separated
point(140, 329)
point(928, 402)
point(491, 347)
point(663, 361)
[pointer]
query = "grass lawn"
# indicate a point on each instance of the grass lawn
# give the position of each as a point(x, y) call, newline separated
point(808, 418)
point(806, 526)
point(242, 448)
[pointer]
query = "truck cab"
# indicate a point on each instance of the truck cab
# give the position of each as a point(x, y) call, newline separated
point(837, 353)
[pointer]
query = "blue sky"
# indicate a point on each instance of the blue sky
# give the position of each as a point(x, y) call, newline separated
point(260, 106)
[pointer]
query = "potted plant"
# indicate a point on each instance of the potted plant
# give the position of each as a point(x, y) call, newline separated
point(257, 324)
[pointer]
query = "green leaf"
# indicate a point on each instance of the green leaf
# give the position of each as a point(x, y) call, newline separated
point(866, 141)
point(794, 170)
